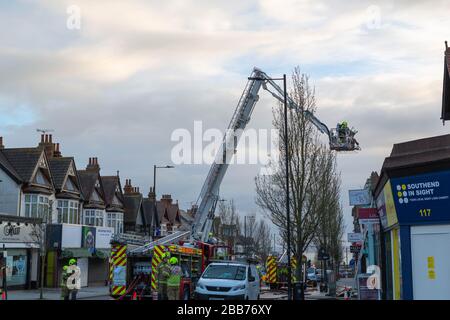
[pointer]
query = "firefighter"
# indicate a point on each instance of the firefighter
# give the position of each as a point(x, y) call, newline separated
point(342, 131)
point(73, 292)
point(64, 290)
point(173, 283)
point(163, 270)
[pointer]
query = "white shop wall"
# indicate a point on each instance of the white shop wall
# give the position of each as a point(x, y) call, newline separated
point(71, 236)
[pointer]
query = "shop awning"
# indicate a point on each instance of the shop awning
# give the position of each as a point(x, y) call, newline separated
point(76, 253)
point(102, 253)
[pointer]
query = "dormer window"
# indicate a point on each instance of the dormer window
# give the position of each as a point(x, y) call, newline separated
point(95, 196)
point(41, 179)
point(115, 200)
point(70, 186)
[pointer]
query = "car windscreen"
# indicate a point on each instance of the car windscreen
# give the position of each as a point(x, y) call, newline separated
point(227, 272)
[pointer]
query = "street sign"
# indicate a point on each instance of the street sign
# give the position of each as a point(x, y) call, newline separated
point(323, 255)
point(354, 237)
point(359, 197)
point(354, 249)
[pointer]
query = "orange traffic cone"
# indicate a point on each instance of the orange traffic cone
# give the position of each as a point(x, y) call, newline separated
point(3, 295)
point(134, 296)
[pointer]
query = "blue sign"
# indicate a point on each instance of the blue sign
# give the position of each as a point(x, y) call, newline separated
point(422, 198)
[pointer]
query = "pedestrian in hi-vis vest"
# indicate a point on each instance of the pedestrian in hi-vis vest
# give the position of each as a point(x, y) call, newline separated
point(64, 290)
point(173, 283)
point(163, 273)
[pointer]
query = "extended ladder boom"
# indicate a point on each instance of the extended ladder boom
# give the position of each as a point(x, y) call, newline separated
point(209, 194)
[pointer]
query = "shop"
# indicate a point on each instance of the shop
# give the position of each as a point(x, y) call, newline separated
point(19, 251)
point(413, 201)
point(89, 245)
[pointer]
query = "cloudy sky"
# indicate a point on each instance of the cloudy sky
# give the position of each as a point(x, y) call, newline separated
point(117, 87)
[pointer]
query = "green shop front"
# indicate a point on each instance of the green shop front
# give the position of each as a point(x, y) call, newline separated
point(89, 245)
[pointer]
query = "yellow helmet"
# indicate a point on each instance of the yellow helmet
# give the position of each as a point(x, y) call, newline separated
point(173, 260)
point(65, 268)
point(72, 261)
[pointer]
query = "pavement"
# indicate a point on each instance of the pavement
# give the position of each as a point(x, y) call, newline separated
point(310, 293)
point(86, 293)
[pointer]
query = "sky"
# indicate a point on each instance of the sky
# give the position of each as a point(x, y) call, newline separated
point(117, 82)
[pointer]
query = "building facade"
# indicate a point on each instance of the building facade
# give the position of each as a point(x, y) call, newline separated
point(412, 197)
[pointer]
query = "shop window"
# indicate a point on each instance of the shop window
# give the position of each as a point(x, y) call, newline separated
point(68, 211)
point(16, 262)
point(36, 206)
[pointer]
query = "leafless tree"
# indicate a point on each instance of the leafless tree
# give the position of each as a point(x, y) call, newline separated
point(308, 158)
point(330, 230)
point(38, 235)
point(229, 227)
point(262, 242)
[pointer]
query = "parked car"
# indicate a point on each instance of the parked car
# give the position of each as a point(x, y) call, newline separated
point(228, 281)
point(311, 277)
point(319, 275)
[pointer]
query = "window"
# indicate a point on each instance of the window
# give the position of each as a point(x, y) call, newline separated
point(93, 217)
point(115, 220)
point(40, 179)
point(36, 206)
point(68, 211)
point(225, 271)
point(70, 185)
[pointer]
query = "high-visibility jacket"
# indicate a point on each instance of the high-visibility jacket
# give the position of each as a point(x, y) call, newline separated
point(175, 276)
point(163, 272)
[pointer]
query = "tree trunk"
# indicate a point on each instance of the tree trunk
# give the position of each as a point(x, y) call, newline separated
point(41, 291)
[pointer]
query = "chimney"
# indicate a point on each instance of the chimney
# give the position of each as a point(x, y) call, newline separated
point(1, 143)
point(93, 165)
point(167, 198)
point(152, 195)
point(47, 145)
point(128, 189)
point(56, 152)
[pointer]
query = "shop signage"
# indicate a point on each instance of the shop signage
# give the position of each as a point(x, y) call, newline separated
point(359, 197)
point(365, 291)
point(368, 215)
point(88, 238)
point(355, 249)
point(18, 232)
point(354, 237)
point(422, 198)
point(386, 206)
point(103, 237)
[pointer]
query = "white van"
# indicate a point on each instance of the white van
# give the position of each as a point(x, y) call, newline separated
point(228, 281)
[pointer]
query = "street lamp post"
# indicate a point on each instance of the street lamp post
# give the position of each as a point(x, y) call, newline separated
point(286, 158)
point(154, 174)
point(247, 234)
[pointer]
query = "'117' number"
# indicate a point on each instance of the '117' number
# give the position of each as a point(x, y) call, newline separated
point(425, 212)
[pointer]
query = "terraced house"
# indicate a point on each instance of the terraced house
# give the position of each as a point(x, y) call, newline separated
point(44, 197)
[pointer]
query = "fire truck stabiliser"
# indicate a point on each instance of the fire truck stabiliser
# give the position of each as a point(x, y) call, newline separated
point(158, 252)
point(118, 265)
point(271, 267)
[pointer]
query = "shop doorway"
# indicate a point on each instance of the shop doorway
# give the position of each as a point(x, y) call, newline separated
point(430, 262)
point(83, 264)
